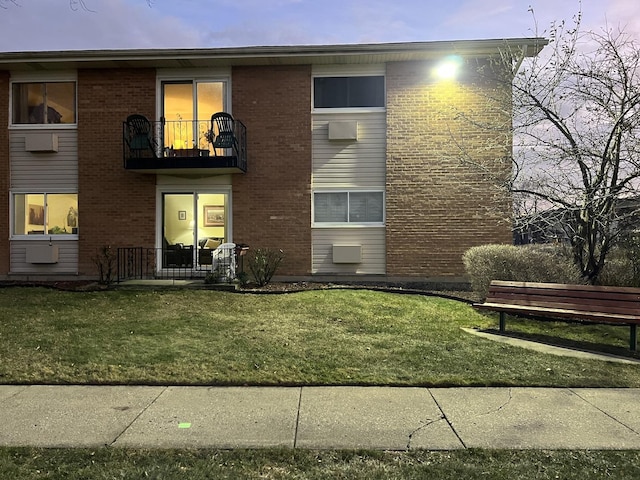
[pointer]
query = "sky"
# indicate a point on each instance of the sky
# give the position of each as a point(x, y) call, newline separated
point(38, 25)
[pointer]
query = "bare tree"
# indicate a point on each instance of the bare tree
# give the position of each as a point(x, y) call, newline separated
point(577, 121)
point(576, 140)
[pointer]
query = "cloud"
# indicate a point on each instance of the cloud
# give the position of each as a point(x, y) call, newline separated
point(52, 25)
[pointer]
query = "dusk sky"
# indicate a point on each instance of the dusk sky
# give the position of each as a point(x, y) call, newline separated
point(117, 24)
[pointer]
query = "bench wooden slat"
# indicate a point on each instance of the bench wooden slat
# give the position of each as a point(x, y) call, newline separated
point(581, 294)
point(567, 286)
point(597, 304)
point(603, 317)
point(585, 305)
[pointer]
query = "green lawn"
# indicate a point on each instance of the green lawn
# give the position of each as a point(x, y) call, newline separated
point(323, 337)
point(75, 464)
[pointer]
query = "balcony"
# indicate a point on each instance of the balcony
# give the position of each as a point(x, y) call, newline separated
point(183, 148)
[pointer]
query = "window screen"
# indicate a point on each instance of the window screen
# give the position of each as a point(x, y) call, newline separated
point(348, 207)
point(365, 207)
point(348, 92)
point(331, 207)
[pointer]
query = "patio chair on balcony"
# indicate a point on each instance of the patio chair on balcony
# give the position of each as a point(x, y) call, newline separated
point(223, 123)
point(139, 136)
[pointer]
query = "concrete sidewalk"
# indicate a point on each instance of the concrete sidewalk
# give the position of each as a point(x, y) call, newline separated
point(385, 418)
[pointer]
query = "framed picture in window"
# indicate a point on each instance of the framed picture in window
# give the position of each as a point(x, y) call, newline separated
point(182, 214)
point(214, 215)
point(36, 214)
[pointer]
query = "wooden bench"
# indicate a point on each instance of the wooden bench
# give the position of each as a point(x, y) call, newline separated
point(584, 303)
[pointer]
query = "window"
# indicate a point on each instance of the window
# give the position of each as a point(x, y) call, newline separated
point(45, 214)
point(44, 103)
point(348, 92)
point(187, 107)
point(348, 207)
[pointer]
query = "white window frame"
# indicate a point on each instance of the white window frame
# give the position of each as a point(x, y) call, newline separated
point(43, 236)
point(50, 77)
point(192, 189)
point(347, 109)
point(348, 224)
point(222, 75)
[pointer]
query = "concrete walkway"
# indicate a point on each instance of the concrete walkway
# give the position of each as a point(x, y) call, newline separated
point(385, 418)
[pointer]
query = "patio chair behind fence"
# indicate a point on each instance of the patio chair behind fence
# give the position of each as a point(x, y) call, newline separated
point(140, 263)
point(223, 262)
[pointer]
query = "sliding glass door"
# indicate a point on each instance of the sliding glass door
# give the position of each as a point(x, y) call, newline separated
point(187, 107)
point(193, 225)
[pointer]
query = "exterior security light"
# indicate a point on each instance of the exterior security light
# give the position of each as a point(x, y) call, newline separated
point(448, 68)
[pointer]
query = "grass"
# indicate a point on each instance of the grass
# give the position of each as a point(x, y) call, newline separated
point(325, 337)
point(76, 464)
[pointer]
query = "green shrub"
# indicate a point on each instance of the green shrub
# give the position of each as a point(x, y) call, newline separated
point(617, 271)
point(263, 263)
point(526, 263)
point(622, 265)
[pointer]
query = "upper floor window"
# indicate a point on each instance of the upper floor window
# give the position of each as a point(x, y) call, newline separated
point(45, 214)
point(43, 103)
point(349, 92)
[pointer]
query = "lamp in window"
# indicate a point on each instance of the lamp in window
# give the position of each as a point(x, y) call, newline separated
point(72, 217)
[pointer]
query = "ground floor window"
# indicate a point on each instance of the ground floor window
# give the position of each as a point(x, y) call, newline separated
point(350, 207)
point(45, 214)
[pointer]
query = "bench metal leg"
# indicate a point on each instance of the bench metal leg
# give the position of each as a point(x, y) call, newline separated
point(503, 322)
point(633, 340)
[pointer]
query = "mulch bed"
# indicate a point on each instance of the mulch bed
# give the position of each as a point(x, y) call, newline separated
point(270, 288)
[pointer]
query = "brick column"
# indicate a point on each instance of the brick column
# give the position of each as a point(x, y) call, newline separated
point(116, 207)
point(438, 206)
point(272, 201)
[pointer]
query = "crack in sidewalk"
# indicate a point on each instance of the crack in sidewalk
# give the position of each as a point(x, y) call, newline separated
point(504, 405)
point(443, 416)
point(604, 412)
point(154, 400)
point(424, 425)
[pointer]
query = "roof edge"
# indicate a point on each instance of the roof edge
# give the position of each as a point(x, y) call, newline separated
point(281, 50)
point(35, 61)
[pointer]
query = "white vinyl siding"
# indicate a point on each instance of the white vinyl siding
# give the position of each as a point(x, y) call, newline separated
point(349, 165)
point(44, 171)
point(39, 173)
point(372, 240)
point(67, 260)
point(344, 164)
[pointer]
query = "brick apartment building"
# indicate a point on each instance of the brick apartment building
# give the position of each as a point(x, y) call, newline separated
point(342, 158)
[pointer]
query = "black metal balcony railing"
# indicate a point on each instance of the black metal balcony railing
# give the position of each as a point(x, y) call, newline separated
point(183, 145)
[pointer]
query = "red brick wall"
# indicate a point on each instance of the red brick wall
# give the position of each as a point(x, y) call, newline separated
point(272, 201)
point(116, 207)
point(437, 206)
point(4, 173)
